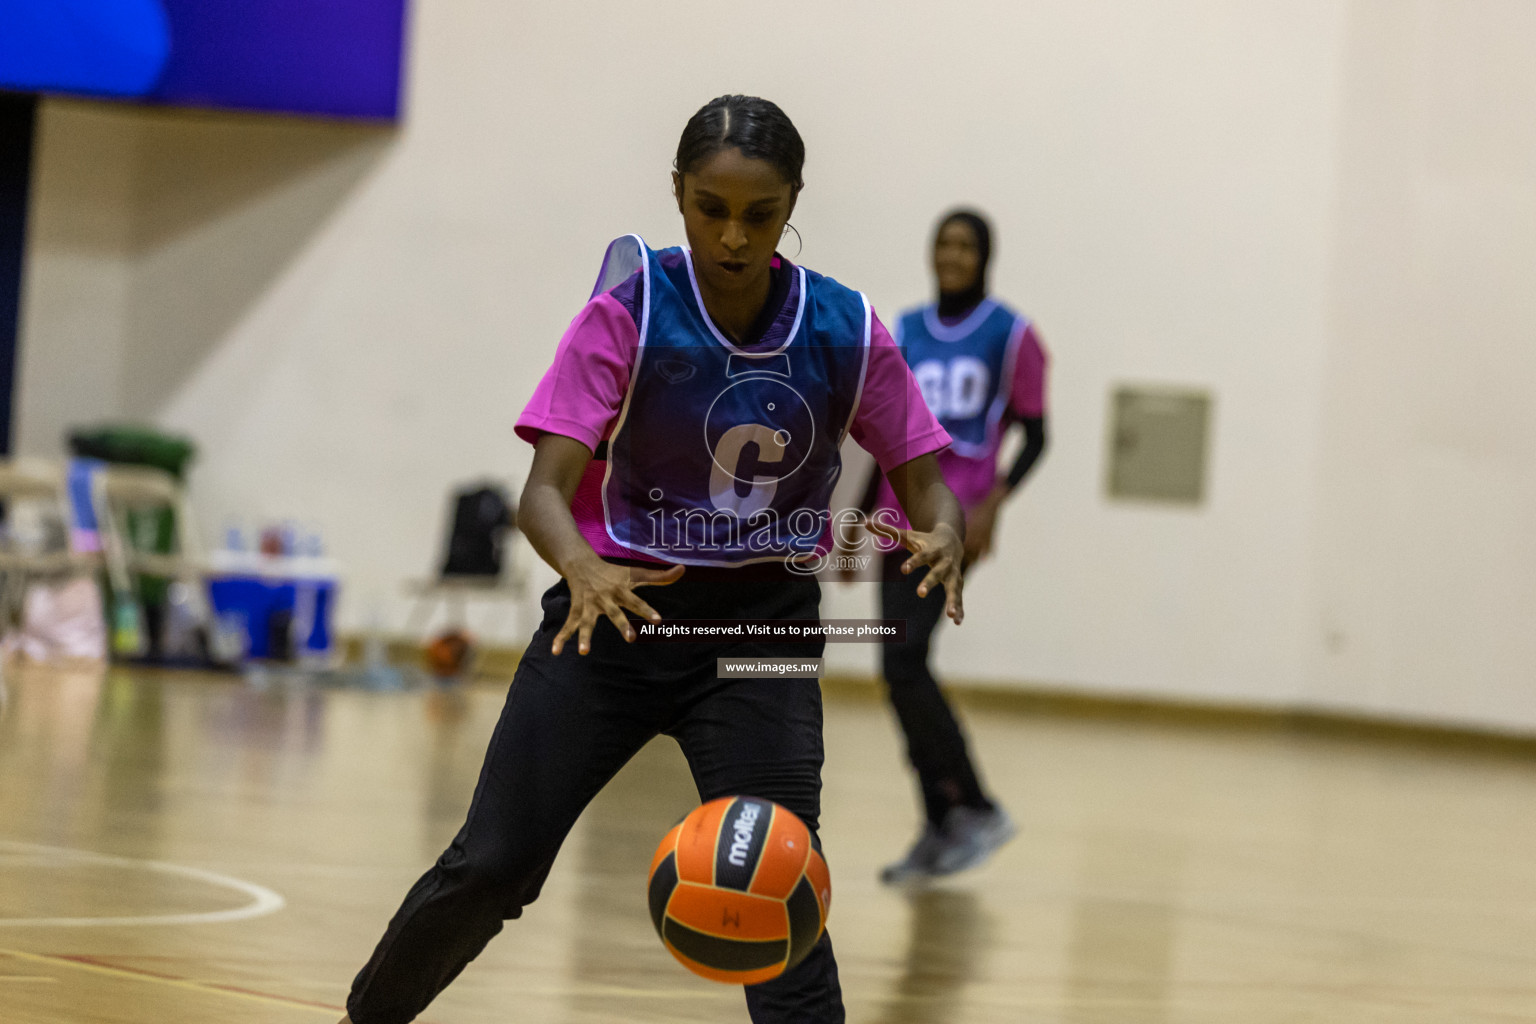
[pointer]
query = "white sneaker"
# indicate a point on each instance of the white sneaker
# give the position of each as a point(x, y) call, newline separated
point(919, 861)
point(969, 837)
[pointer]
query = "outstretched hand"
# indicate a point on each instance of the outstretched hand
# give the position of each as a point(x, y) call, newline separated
point(941, 550)
point(600, 588)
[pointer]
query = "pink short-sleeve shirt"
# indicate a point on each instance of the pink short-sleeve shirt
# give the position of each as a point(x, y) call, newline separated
point(581, 393)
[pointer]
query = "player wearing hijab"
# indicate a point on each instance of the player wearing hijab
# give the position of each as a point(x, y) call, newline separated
point(981, 368)
point(692, 417)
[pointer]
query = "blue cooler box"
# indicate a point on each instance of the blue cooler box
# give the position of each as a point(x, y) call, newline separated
point(276, 603)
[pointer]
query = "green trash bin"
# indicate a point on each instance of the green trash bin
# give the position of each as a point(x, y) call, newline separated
point(133, 446)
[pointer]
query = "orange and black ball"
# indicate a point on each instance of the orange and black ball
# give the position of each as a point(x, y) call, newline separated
point(738, 890)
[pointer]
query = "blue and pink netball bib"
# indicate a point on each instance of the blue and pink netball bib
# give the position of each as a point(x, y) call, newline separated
point(964, 370)
point(725, 455)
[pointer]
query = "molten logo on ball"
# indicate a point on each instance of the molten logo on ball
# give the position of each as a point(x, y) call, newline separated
point(738, 891)
point(743, 840)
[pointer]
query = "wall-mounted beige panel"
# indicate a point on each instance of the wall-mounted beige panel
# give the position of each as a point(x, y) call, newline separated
point(1157, 444)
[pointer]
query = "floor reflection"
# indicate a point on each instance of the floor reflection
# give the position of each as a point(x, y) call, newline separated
point(949, 933)
point(47, 731)
point(128, 751)
point(1123, 929)
point(612, 854)
point(452, 765)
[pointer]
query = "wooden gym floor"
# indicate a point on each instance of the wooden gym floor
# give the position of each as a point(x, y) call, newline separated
point(179, 848)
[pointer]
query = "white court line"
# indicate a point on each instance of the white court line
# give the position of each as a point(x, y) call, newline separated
point(263, 900)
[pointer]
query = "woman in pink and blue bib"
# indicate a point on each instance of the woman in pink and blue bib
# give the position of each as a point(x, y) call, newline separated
point(981, 368)
point(686, 444)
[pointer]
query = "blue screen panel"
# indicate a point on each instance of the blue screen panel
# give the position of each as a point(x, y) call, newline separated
point(330, 57)
point(335, 58)
point(95, 47)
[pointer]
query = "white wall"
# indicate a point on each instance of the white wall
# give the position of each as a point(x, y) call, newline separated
point(348, 320)
point(76, 284)
point(1162, 186)
point(1425, 563)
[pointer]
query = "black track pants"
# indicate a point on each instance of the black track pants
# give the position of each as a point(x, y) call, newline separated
point(935, 742)
point(569, 724)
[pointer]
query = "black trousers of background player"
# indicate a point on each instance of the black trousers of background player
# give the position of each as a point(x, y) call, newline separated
point(936, 744)
point(569, 724)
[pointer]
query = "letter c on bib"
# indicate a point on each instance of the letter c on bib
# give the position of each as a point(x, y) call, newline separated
point(722, 483)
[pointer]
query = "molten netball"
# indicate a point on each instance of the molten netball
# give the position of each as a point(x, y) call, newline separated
point(738, 891)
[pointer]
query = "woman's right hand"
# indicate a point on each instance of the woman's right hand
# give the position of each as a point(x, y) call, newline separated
point(942, 550)
point(600, 588)
point(597, 587)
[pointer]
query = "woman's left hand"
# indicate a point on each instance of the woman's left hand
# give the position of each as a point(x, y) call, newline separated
point(942, 551)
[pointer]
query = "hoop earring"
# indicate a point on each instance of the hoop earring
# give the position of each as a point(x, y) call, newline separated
point(799, 242)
